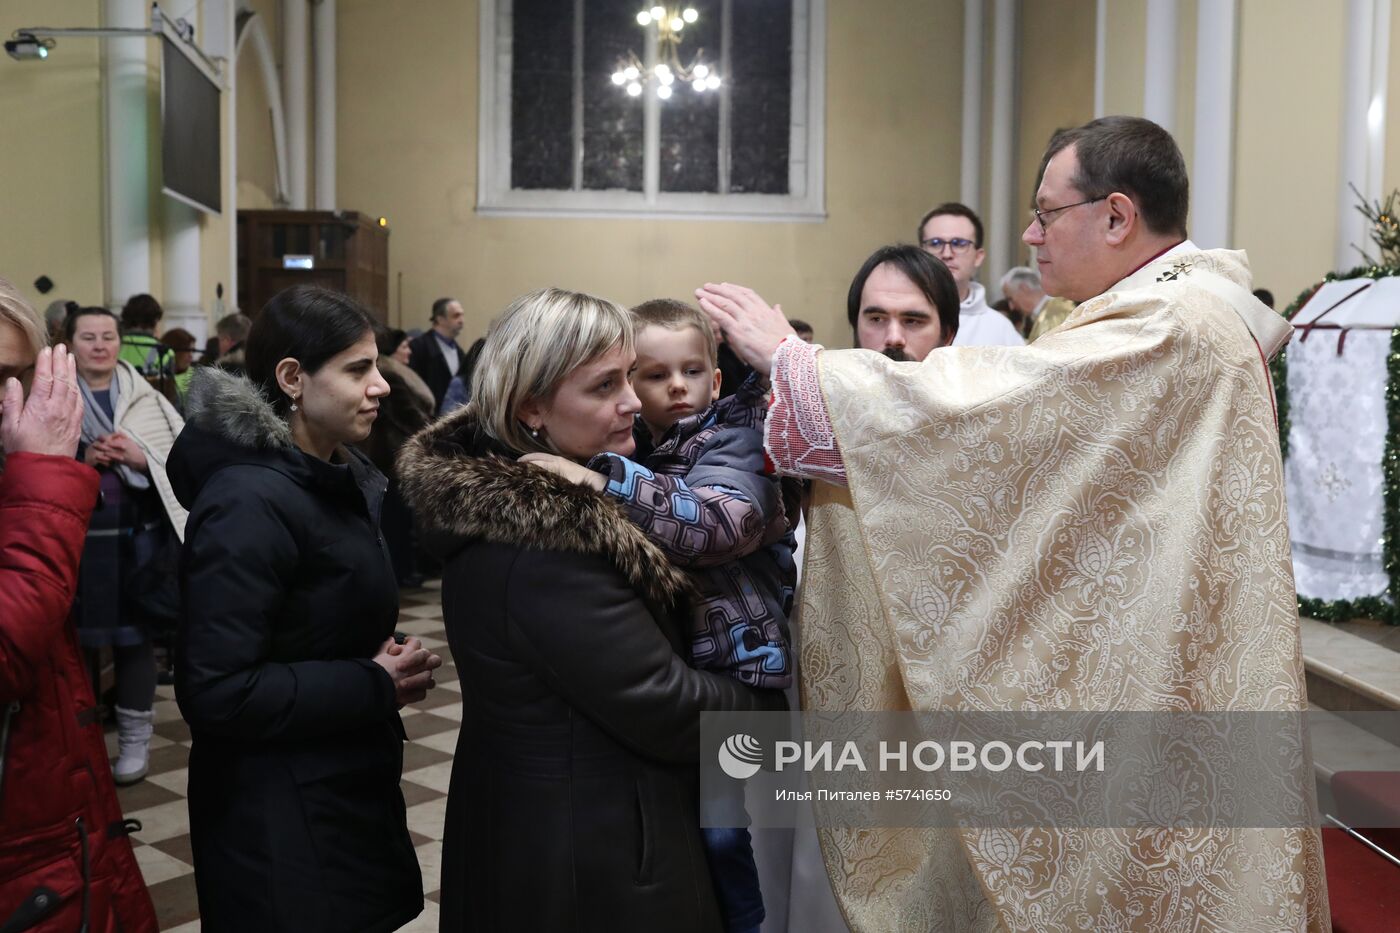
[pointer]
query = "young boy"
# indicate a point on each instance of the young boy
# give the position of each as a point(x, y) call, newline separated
point(699, 488)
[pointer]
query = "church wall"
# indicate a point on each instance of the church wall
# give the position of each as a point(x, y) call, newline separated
point(257, 160)
point(1390, 174)
point(407, 150)
point(1185, 128)
point(1125, 51)
point(1287, 147)
point(216, 234)
point(1056, 86)
point(52, 164)
point(51, 159)
point(989, 103)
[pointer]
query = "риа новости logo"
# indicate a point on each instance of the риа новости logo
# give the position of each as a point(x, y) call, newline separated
point(740, 756)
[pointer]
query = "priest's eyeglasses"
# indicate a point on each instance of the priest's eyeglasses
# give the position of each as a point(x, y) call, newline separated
point(1040, 215)
point(956, 244)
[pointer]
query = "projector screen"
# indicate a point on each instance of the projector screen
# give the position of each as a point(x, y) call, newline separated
point(189, 131)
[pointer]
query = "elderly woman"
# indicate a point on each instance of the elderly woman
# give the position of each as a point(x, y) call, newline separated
point(573, 802)
point(128, 430)
point(65, 861)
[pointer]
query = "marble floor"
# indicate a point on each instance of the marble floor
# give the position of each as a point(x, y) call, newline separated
point(163, 845)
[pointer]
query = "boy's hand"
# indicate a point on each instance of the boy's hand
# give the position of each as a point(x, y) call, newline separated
point(568, 469)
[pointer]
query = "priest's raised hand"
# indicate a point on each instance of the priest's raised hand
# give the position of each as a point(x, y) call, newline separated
point(752, 328)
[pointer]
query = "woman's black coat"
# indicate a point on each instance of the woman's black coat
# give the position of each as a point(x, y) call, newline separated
point(574, 801)
point(296, 818)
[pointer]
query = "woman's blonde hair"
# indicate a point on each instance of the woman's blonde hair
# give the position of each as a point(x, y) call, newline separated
point(17, 311)
point(532, 347)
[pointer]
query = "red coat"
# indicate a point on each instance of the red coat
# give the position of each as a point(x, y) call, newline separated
point(57, 799)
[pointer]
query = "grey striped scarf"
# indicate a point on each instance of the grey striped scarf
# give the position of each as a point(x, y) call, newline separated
point(96, 425)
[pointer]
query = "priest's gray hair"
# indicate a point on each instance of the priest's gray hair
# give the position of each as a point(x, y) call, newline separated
point(535, 343)
point(1021, 277)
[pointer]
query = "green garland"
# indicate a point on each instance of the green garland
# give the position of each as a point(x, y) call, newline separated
point(1381, 607)
point(1278, 369)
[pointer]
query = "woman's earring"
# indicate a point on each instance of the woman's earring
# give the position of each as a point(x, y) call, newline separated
point(535, 433)
point(294, 403)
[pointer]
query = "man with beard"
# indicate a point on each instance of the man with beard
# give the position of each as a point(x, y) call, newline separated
point(903, 303)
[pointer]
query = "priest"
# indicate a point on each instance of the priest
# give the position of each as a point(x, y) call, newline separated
point(1095, 521)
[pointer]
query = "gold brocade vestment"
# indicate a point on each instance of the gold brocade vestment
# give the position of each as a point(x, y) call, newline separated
point(1093, 522)
point(1054, 313)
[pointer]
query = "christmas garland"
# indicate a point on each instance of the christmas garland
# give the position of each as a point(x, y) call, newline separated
point(1375, 607)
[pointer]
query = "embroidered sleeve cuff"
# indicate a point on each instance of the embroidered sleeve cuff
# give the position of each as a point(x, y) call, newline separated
point(798, 436)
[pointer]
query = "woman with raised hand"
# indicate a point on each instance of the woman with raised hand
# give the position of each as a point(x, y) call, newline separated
point(65, 860)
point(573, 801)
point(289, 674)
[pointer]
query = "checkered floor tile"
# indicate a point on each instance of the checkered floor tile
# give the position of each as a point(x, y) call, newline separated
point(163, 845)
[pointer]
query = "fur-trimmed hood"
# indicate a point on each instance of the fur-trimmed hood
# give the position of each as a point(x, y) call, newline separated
point(229, 421)
point(231, 406)
point(464, 486)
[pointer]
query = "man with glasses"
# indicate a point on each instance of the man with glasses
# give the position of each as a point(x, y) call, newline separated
point(1093, 522)
point(953, 233)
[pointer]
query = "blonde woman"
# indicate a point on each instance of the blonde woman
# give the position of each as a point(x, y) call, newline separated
point(128, 430)
point(573, 802)
point(61, 865)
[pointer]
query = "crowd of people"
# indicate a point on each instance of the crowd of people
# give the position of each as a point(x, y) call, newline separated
point(596, 486)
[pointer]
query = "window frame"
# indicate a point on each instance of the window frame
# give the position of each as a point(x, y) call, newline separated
point(805, 201)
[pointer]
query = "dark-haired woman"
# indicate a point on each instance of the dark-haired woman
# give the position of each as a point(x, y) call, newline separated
point(395, 344)
point(289, 676)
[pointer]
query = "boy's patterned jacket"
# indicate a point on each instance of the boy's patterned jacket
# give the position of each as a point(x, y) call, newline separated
point(705, 496)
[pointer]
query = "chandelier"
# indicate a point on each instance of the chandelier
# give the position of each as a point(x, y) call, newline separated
point(634, 77)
